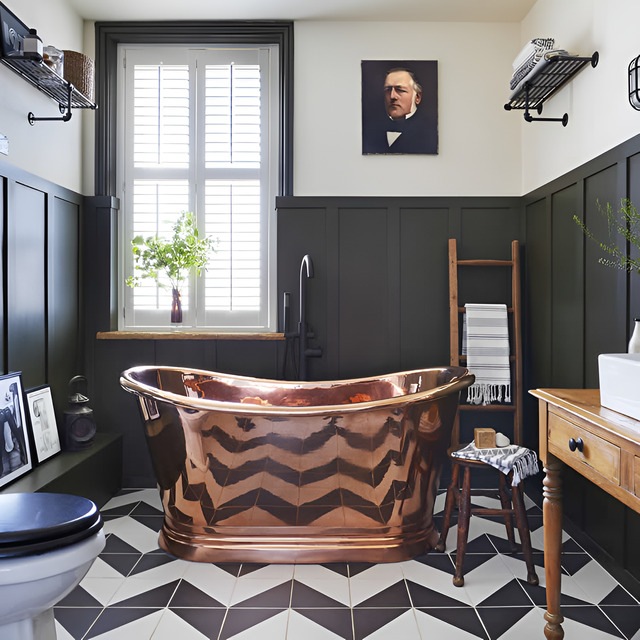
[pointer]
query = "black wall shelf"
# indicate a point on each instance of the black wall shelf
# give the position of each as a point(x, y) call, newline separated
point(545, 79)
point(36, 72)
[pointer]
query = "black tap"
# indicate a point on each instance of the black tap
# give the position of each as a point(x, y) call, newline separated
point(303, 333)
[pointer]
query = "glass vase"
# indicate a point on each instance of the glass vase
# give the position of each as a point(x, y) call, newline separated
point(176, 307)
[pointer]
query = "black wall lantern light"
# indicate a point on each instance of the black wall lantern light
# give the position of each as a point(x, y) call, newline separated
point(634, 83)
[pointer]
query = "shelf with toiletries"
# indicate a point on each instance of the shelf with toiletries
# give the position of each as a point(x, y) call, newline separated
point(21, 50)
point(554, 69)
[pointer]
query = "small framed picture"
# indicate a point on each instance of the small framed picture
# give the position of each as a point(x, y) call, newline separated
point(15, 452)
point(43, 422)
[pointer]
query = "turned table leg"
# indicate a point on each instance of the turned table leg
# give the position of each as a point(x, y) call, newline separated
point(552, 519)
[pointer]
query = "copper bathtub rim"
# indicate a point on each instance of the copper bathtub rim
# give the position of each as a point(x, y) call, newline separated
point(462, 380)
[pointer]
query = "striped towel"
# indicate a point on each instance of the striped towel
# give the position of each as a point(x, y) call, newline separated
point(485, 342)
point(522, 461)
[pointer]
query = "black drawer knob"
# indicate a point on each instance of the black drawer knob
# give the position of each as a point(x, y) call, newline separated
point(576, 444)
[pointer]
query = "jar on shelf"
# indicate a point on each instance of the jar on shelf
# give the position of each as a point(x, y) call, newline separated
point(54, 59)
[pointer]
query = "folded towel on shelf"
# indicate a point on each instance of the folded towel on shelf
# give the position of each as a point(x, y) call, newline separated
point(529, 57)
point(534, 45)
point(485, 342)
point(527, 71)
point(522, 461)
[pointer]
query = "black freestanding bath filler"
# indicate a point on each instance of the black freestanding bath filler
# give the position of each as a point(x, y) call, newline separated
point(306, 272)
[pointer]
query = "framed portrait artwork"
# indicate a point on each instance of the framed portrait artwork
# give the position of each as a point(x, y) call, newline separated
point(15, 452)
point(43, 422)
point(399, 107)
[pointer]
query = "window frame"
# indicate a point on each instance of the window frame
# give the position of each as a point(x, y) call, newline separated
point(111, 34)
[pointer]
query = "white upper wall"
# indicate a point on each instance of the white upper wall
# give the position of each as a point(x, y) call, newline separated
point(479, 142)
point(51, 150)
point(484, 150)
point(600, 116)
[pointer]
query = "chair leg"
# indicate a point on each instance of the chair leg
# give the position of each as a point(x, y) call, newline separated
point(464, 513)
point(506, 502)
point(525, 537)
point(451, 499)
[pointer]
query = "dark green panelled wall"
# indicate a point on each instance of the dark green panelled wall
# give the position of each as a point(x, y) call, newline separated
point(378, 301)
point(577, 309)
point(41, 324)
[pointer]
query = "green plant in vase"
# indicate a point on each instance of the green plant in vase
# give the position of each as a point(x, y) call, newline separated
point(171, 259)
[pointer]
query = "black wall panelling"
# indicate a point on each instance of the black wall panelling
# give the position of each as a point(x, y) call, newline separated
point(379, 301)
point(41, 300)
point(579, 308)
point(26, 283)
point(41, 323)
point(64, 323)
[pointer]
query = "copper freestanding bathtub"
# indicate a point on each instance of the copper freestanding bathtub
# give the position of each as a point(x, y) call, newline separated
point(253, 470)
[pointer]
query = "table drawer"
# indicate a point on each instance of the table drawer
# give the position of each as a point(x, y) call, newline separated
point(636, 476)
point(597, 453)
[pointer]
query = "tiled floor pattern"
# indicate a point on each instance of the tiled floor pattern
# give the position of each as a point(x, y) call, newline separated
point(134, 591)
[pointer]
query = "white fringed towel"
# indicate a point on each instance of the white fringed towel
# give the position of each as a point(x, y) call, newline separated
point(485, 341)
point(522, 461)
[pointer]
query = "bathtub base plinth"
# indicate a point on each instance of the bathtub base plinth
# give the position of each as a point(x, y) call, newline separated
point(303, 550)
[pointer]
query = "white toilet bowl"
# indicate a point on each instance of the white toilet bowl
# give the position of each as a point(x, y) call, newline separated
point(48, 542)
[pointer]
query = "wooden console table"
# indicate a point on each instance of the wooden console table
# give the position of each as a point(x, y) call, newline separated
point(601, 445)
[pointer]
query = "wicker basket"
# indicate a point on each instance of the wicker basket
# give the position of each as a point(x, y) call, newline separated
point(78, 70)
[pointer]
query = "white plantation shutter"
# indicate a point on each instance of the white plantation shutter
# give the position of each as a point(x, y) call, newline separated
point(196, 138)
point(234, 284)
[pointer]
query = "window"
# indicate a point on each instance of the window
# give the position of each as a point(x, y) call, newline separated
point(197, 134)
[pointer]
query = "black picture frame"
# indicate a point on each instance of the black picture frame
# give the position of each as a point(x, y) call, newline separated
point(15, 449)
point(383, 135)
point(42, 420)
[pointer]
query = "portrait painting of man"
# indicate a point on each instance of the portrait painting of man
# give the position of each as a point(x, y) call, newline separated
point(399, 107)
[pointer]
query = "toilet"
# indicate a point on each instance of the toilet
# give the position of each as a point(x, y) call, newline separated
point(48, 542)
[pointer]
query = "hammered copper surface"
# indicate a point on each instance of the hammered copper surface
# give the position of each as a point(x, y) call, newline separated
point(273, 471)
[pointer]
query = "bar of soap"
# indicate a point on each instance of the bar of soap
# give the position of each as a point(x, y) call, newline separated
point(484, 438)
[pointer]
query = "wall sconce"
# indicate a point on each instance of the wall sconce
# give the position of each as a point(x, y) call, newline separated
point(634, 83)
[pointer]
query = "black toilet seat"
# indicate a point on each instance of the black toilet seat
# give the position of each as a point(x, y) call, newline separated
point(32, 523)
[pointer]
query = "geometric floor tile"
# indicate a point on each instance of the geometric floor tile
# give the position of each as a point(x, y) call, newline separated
point(135, 591)
point(385, 623)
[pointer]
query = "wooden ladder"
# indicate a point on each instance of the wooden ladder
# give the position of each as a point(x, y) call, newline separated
point(515, 335)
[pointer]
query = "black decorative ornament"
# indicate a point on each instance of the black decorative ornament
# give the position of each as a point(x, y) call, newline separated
point(79, 425)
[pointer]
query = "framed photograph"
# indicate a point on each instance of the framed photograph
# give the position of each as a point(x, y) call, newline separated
point(43, 422)
point(399, 107)
point(15, 458)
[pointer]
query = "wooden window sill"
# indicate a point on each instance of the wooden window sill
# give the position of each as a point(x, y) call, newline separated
point(180, 334)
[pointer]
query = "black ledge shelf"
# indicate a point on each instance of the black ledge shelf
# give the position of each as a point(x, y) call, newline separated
point(52, 85)
point(546, 78)
point(12, 36)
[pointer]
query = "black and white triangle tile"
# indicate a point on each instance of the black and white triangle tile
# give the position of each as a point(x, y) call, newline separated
point(134, 591)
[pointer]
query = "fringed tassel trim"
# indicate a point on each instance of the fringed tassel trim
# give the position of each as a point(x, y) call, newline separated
point(524, 466)
point(483, 393)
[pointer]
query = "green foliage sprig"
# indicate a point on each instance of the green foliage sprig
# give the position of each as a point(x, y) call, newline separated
point(174, 258)
point(625, 223)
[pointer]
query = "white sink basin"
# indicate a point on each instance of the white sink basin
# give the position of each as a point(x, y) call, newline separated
point(620, 382)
